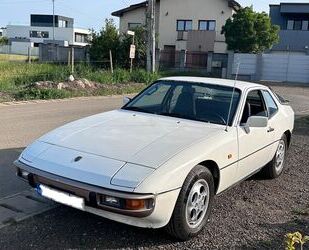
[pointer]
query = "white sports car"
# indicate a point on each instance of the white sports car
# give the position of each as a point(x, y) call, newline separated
point(160, 160)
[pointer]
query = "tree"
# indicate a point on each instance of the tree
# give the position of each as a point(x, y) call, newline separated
point(103, 41)
point(109, 39)
point(140, 43)
point(4, 41)
point(250, 32)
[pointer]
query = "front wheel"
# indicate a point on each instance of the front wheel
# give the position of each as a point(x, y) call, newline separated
point(193, 206)
point(275, 168)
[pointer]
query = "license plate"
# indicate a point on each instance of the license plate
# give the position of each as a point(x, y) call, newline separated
point(61, 197)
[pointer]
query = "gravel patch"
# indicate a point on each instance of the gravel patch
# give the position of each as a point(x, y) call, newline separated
point(255, 214)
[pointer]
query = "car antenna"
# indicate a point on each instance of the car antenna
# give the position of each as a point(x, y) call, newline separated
point(231, 103)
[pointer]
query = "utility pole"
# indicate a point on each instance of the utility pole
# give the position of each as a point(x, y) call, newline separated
point(151, 34)
point(54, 21)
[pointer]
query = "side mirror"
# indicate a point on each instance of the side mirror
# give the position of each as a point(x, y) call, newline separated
point(126, 100)
point(256, 122)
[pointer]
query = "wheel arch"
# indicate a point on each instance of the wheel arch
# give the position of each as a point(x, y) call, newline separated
point(215, 171)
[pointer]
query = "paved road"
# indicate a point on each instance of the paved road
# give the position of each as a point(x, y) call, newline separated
point(21, 124)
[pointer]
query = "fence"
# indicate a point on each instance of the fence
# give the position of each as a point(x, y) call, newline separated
point(19, 49)
point(286, 67)
point(61, 54)
point(172, 59)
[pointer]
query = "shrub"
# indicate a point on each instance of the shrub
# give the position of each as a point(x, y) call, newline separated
point(295, 238)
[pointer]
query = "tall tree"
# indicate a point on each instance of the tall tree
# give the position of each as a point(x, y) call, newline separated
point(250, 32)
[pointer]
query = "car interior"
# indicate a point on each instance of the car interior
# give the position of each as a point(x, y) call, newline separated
point(254, 106)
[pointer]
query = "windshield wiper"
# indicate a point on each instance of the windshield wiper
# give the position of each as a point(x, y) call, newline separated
point(189, 118)
point(176, 115)
point(138, 109)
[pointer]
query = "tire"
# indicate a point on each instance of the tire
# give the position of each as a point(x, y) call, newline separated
point(276, 166)
point(184, 224)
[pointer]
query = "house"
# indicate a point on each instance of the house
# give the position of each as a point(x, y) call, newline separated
point(2, 32)
point(45, 29)
point(193, 25)
point(293, 19)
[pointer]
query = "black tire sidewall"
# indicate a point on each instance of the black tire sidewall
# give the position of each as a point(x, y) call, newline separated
point(199, 172)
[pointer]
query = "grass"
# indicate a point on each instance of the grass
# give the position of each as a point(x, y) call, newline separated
point(16, 77)
point(15, 58)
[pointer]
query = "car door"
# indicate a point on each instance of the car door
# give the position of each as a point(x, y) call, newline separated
point(253, 146)
point(273, 121)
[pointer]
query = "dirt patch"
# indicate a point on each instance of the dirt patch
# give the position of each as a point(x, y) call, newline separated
point(82, 85)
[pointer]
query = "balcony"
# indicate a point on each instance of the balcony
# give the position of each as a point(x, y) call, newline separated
point(196, 40)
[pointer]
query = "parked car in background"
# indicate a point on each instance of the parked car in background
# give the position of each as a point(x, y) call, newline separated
point(160, 159)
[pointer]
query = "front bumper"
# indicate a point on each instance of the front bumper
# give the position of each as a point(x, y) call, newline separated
point(157, 213)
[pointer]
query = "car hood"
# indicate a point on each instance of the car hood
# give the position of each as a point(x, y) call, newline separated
point(138, 138)
point(118, 148)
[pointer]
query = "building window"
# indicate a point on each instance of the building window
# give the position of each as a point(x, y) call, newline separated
point(184, 25)
point(81, 38)
point(297, 24)
point(305, 25)
point(290, 25)
point(39, 34)
point(206, 25)
point(62, 24)
point(133, 26)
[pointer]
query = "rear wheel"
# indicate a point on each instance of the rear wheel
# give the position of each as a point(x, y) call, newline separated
point(193, 206)
point(275, 168)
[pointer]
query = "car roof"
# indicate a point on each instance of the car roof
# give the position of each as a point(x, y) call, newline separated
point(242, 85)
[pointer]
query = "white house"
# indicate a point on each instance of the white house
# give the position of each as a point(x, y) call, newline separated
point(2, 32)
point(45, 29)
point(193, 25)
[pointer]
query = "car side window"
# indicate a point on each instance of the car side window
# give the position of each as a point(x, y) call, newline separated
point(254, 106)
point(272, 107)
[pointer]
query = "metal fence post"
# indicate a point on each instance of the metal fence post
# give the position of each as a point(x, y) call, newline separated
point(29, 54)
point(111, 61)
point(209, 62)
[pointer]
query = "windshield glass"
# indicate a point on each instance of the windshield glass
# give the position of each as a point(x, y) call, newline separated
point(187, 100)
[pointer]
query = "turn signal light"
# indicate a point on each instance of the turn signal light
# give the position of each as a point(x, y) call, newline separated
point(135, 204)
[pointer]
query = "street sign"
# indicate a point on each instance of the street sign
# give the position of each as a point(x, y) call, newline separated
point(131, 33)
point(132, 51)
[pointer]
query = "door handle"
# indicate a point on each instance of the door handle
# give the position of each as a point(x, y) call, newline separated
point(270, 129)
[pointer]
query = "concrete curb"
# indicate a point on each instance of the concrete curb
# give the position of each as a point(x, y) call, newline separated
point(83, 98)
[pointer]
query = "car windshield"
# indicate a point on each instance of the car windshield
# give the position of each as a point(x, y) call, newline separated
point(188, 100)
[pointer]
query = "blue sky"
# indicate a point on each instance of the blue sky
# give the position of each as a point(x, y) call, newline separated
point(87, 14)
